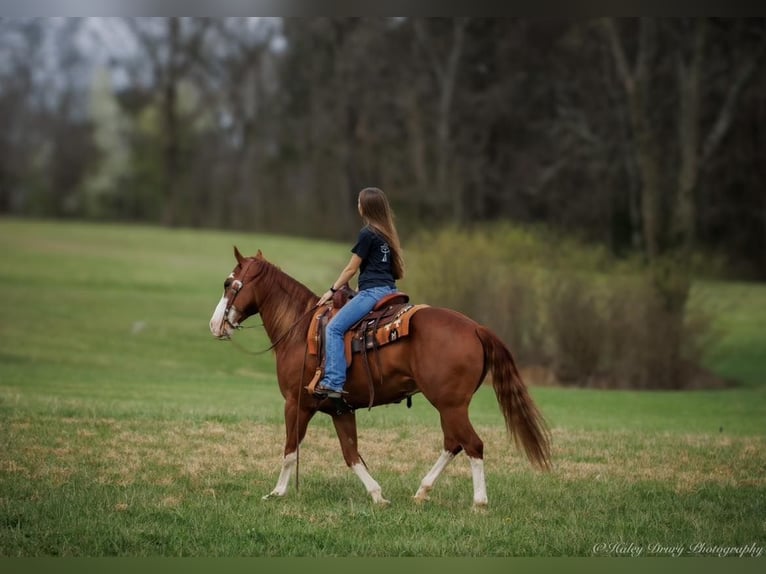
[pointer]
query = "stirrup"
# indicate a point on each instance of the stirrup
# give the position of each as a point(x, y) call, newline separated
point(320, 391)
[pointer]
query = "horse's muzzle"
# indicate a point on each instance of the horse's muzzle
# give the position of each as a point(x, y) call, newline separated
point(223, 322)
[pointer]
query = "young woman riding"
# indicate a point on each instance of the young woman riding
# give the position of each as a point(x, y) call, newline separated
point(377, 256)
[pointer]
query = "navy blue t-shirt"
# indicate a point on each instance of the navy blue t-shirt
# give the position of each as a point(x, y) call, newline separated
point(376, 269)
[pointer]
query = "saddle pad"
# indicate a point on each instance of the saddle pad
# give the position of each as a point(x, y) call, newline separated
point(388, 331)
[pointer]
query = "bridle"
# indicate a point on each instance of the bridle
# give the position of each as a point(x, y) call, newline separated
point(235, 287)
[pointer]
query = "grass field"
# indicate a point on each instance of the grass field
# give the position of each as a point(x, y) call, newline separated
point(126, 430)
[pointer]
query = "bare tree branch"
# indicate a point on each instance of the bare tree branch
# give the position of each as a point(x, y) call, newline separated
point(726, 113)
point(424, 41)
point(618, 52)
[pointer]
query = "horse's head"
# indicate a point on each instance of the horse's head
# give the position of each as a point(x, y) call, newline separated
point(239, 296)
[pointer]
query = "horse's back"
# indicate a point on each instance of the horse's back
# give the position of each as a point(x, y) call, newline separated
point(441, 320)
point(445, 345)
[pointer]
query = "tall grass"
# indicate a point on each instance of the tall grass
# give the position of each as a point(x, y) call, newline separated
point(126, 430)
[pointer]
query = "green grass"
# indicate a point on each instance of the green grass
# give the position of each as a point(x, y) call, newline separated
point(126, 430)
point(740, 315)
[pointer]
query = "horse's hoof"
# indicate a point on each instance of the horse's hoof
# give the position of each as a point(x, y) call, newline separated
point(422, 494)
point(271, 495)
point(480, 507)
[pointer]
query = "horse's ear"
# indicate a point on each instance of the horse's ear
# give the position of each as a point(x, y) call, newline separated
point(238, 255)
point(259, 255)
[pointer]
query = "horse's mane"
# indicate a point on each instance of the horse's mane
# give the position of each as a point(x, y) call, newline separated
point(288, 300)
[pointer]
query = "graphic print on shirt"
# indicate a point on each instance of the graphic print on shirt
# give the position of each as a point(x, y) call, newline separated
point(385, 249)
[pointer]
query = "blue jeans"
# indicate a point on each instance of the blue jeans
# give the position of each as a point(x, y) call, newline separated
point(350, 313)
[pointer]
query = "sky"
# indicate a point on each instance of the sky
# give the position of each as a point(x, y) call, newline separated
point(18, 8)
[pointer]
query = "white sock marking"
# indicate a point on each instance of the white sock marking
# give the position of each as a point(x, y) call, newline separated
point(479, 483)
point(430, 479)
point(369, 483)
point(288, 464)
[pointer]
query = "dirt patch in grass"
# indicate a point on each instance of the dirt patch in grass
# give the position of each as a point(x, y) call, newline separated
point(685, 461)
point(203, 455)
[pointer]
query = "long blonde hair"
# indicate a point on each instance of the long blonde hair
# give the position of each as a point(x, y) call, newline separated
point(377, 213)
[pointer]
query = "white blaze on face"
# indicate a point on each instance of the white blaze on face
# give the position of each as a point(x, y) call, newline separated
point(217, 325)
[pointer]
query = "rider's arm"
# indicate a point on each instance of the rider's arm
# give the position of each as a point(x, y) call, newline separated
point(344, 277)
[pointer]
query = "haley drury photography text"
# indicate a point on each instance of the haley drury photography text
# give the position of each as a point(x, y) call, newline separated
point(675, 550)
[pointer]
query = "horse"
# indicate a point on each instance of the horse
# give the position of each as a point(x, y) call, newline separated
point(446, 358)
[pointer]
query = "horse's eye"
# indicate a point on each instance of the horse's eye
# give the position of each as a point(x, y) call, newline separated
point(227, 283)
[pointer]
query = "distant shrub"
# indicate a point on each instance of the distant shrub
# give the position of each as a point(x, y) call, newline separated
point(578, 330)
point(561, 304)
point(466, 271)
point(656, 338)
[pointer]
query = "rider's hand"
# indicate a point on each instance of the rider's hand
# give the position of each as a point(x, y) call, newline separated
point(325, 298)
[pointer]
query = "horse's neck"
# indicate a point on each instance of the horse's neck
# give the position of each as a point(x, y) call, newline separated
point(284, 304)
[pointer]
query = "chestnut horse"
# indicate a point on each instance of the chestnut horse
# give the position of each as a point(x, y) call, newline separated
point(446, 357)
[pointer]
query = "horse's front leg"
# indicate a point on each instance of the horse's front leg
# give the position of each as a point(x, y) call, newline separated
point(296, 421)
point(345, 427)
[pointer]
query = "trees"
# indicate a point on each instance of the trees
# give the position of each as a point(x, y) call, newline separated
point(677, 123)
point(642, 134)
point(45, 144)
point(684, 66)
point(173, 47)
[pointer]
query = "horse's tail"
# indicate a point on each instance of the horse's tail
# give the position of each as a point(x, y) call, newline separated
point(524, 421)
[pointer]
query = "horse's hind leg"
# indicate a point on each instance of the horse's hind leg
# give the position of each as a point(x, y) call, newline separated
point(345, 427)
point(430, 479)
point(459, 435)
point(296, 422)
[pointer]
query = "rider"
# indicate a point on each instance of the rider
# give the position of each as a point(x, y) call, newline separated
point(377, 255)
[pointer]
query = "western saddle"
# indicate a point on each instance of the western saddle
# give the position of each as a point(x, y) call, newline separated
point(388, 322)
